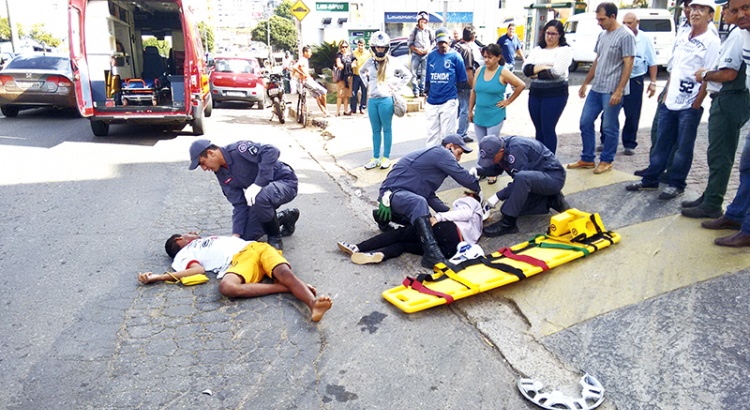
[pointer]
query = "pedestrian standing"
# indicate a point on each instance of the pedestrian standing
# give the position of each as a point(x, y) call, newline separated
point(464, 50)
point(512, 48)
point(344, 59)
point(384, 77)
point(361, 54)
point(421, 41)
point(547, 66)
point(609, 77)
point(445, 75)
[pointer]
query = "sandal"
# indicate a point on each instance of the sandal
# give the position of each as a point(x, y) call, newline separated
point(491, 180)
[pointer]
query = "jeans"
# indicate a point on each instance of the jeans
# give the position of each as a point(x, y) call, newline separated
point(545, 113)
point(738, 209)
point(481, 132)
point(676, 129)
point(380, 111)
point(595, 104)
point(463, 112)
point(357, 85)
point(418, 71)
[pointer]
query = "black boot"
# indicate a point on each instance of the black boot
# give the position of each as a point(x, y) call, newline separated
point(273, 233)
point(287, 218)
point(432, 254)
point(504, 226)
point(558, 203)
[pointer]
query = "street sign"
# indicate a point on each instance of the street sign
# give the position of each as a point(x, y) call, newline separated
point(299, 10)
point(331, 6)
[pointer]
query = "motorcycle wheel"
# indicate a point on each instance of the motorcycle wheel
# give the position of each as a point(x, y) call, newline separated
point(279, 111)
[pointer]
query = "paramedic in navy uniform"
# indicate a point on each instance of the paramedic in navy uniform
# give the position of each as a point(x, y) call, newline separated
point(409, 189)
point(538, 178)
point(255, 182)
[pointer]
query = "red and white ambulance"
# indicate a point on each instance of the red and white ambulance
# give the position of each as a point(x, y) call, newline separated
point(119, 81)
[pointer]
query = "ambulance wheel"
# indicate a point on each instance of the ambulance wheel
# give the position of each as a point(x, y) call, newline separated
point(197, 126)
point(100, 128)
point(9, 111)
point(209, 107)
point(573, 66)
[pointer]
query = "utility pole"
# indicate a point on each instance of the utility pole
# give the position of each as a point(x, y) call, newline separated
point(13, 29)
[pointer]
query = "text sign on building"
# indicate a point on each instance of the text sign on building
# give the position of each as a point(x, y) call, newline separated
point(299, 10)
point(332, 6)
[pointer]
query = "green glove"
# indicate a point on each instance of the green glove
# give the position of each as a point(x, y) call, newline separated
point(384, 207)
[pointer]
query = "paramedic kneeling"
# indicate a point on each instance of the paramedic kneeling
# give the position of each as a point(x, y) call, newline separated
point(538, 178)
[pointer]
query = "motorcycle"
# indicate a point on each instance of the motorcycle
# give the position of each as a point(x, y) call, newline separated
point(275, 92)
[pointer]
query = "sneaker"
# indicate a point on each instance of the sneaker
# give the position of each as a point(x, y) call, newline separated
point(603, 167)
point(363, 258)
point(347, 248)
point(600, 148)
point(700, 212)
point(694, 203)
point(468, 139)
point(638, 186)
point(721, 222)
point(580, 164)
point(671, 193)
point(628, 152)
point(374, 163)
point(385, 163)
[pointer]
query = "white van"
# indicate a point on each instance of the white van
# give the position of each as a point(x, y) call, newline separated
point(582, 30)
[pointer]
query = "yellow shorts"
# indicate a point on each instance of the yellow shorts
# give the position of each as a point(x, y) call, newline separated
point(256, 260)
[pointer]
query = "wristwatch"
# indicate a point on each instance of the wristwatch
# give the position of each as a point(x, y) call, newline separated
point(703, 75)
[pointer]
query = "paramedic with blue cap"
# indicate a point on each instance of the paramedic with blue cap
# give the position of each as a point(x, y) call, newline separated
point(538, 178)
point(408, 190)
point(255, 182)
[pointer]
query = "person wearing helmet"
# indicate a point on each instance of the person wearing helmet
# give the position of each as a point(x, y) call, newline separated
point(446, 73)
point(384, 78)
point(421, 41)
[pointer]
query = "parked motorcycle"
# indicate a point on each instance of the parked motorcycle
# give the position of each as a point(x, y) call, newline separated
point(275, 92)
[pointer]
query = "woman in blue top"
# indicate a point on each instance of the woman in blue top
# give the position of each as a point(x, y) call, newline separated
point(487, 102)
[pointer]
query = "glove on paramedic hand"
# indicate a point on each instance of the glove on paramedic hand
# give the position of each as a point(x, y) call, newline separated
point(384, 207)
point(251, 192)
point(493, 200)
point(473, 172)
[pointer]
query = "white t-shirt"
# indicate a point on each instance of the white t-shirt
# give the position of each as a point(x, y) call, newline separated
point(746, 54)
point(688, 56)
point(730, 56)
point(213, 253)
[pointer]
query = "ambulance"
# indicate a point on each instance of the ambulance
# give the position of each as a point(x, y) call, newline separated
point(118, 80)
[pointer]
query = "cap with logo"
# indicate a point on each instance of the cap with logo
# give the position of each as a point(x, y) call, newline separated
point(441, 35)
point(456, 139)
point(489, 146)
point(196, 148)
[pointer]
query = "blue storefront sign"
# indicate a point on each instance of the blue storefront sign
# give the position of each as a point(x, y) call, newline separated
point(411, 17)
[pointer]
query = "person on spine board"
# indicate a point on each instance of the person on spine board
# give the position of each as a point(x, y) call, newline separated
point(538, 178)
point(408, 191)
point(256, 183)
point(461, 224)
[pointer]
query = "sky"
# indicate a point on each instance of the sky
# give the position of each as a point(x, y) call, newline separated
point(53, 13)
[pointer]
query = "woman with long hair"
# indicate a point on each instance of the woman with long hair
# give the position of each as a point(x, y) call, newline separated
point(384, 78)
point(547, 66)
point(343, 78)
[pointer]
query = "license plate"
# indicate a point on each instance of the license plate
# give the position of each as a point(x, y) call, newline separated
point(274, 91)
point(235, 94)
point(29, 84)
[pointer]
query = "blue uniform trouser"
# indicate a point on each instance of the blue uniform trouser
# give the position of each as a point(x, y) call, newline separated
point(595, 104)
point(529, 192)
point(418, 71)
point(632, 104)
point(409, 205)
point(357, 85)
point(738, 210)
point(463, 112)
point(272, 196)
point(676, 129)
point(545, 113)
point(380, 111)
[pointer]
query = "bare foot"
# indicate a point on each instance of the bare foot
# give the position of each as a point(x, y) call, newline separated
point(312, 289)
point(320, 306)
point(146, 278)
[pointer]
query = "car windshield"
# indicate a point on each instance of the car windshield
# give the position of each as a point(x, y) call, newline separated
point(40, 62)
point(234, 66)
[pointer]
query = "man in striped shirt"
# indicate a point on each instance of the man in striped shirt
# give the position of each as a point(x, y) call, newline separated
point(609, 77)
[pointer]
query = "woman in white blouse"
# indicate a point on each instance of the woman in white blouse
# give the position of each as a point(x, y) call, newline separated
point(547, 66)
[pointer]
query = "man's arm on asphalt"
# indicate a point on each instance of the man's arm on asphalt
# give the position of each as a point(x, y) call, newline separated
point(149, 277)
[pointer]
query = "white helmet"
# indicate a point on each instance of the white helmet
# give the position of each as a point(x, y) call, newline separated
point(422, 15)
point(466, 251)
point(380, 39)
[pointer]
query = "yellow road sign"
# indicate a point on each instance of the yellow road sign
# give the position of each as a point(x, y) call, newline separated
point(300, 10)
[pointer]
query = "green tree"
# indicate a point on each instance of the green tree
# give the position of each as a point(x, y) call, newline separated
point(283, 33)
point(5, 29)
point(207, 36)
point(323, 56)
point(284, 10)
point(41, 35)
point(162, 45)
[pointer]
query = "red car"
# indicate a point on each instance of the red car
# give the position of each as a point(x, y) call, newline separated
point(237, 79)
point(36, 80)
